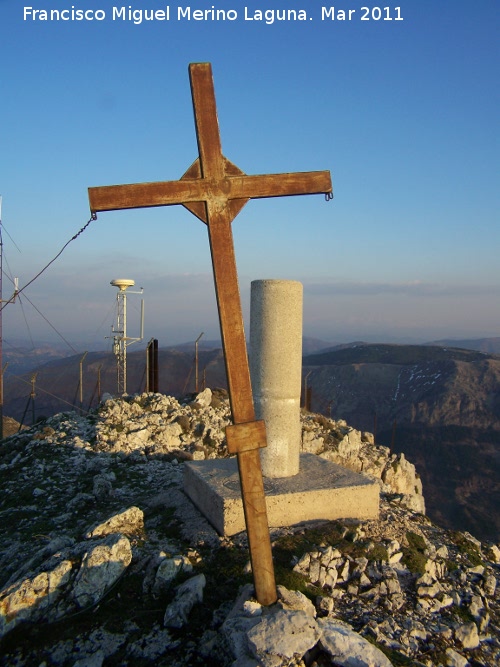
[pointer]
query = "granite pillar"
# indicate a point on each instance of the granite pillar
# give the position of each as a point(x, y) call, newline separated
point(275, 370)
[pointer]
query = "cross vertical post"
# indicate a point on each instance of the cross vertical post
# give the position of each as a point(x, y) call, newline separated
point(215, 190)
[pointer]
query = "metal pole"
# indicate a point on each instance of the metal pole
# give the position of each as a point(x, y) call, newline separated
point(123, 342)
point(308, 398)
point(156, 377)
point(32, 396)
point(196, 361)
point(81, 381)
point(99, 383)
point(305, 389)
point(149, 364)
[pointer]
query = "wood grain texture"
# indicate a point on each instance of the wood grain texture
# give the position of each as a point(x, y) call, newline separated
point(215, 190)
point(243, 437)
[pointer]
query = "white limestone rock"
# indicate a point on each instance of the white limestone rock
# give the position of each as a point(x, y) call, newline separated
point(295, 601)
point(187, 595)
point(490, 585)
point(128, 522)
point(102, 565)
point(348, 648)
point(467, 635)
point(351, 444)
point(282, 636)
point(401, 475)
point(234, 631)
point(311, 442)
point(35, 596)
point(169, 436)
point(454, 659)
point(495, 553)
point(204, 398)
point(168, 570)
point(252, 608)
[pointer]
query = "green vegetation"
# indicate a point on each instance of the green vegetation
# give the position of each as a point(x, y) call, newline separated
point(462, 613)
point(467, 548)
point(413, 556)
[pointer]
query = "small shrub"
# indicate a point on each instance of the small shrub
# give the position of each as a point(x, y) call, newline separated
point(378, 552)
point(413, 556)
point(467, 548)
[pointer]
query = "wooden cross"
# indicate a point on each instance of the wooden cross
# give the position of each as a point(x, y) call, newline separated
point(215, 190)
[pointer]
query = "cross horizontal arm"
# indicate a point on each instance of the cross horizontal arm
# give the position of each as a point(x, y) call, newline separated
point(166, 193)
point(143, 195)
point(278, 185)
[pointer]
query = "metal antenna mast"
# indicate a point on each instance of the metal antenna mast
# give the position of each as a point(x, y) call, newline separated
point(11, 300)
point(120, 339)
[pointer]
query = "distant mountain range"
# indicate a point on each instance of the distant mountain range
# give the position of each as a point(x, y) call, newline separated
point(488, 345)
point(439, 404)
point(25, 357)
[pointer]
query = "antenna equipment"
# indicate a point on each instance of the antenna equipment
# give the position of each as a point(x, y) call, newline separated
point(120, 339)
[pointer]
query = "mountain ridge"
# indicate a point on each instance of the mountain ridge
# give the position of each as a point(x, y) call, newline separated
point(439, 406)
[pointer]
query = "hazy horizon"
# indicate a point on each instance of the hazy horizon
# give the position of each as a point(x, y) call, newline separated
point(96, 346)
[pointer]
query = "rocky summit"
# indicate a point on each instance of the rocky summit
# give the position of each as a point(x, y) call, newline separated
point(104, 561)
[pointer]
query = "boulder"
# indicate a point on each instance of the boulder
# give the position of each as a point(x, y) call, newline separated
point(283, 635)
point(348, 648)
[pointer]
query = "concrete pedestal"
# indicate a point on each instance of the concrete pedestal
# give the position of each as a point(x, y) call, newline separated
point(321, 490)
point(275, 370)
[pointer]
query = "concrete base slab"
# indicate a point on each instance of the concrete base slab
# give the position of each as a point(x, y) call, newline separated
point(321, 490)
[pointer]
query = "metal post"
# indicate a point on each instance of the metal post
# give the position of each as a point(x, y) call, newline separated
point(308, 398)
point(32, 397)
point(81, 381)
point(196, 362)
point(156, 376)
point(152, 366)
point(305, 389)
point(149, 364)
point(99, 383)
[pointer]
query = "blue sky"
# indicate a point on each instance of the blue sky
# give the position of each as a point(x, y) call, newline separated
point(403, 113)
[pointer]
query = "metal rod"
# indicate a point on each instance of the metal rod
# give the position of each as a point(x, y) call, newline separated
point(99, 383)
point(32, 396)
point(81, 381)
point(196, 362)
point(156, 376)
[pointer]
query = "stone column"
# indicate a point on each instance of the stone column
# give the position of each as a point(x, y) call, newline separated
point(275, 369)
